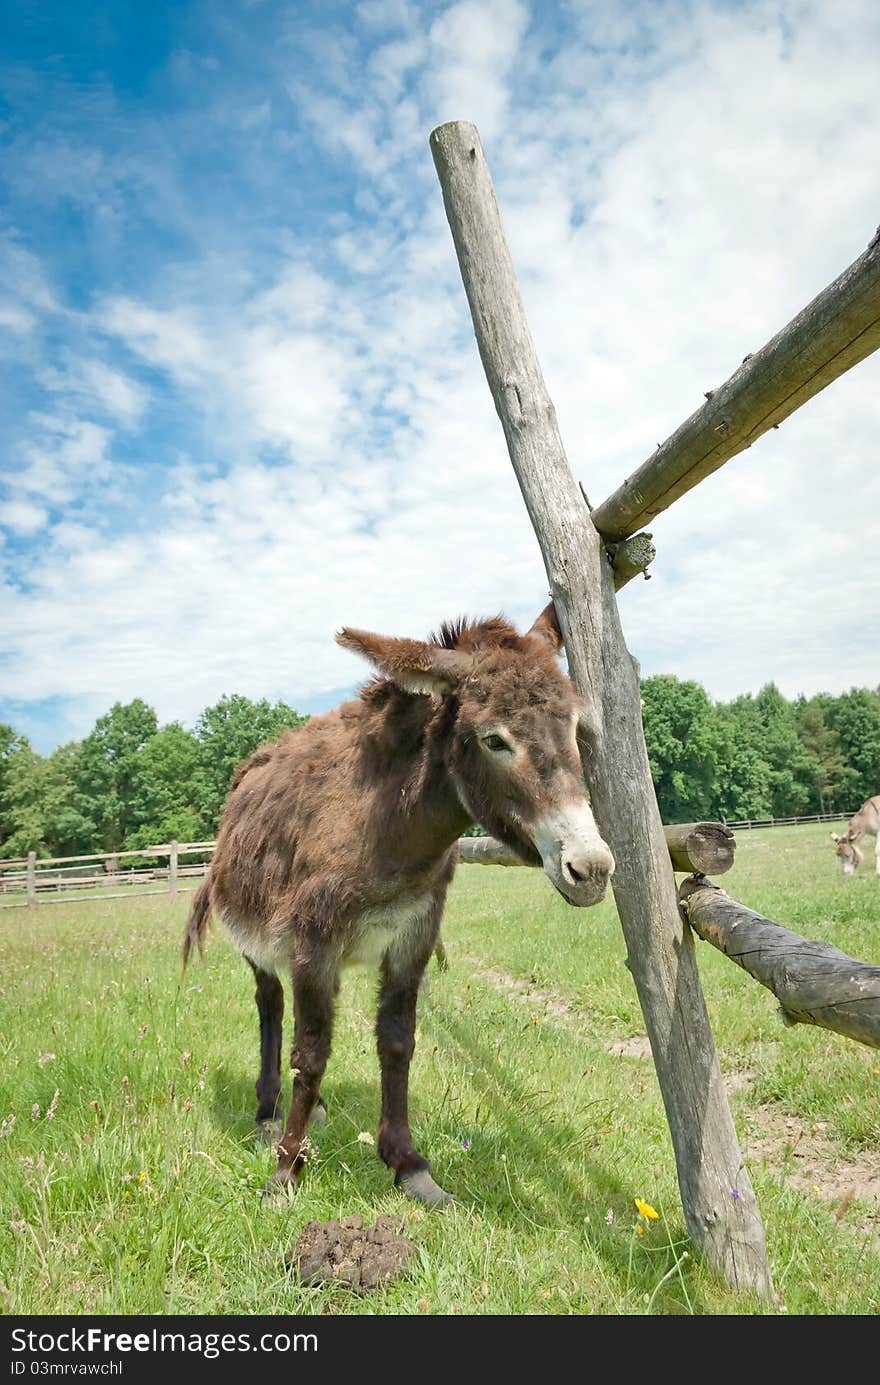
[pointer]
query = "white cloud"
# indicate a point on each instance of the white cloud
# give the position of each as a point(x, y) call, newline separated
point(665, 216)
point(474, 45)
point(386, 14)
point(271, 370)
point(66, 453)
point(93, 384)
point(22, 516)
point(14, 318)
point(22, 277)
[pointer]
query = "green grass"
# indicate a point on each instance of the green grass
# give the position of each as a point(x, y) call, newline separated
point(137, 1188)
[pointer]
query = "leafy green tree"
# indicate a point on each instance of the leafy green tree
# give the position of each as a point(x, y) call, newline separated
point(855, 716)
point(167, 785)
point(742, 789)
point(21, 811)
point(227, 733)
point(69, 825)
point(682, 746)
point(769, 725)
point(833, 782)
point(110, 772)
point(38, 798)
point(9, 742)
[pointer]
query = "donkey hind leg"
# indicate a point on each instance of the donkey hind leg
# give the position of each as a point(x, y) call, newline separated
point(395, 1040)
point(270, 1007)
point(313, 1005)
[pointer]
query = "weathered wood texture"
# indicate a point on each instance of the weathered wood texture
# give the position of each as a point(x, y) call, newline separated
point(707, 847)
point(31, 879)
point(837, 330)
point(814, 982)
point(630, 558)
point(726, 1229)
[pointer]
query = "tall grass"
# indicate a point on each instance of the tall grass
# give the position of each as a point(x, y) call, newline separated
point(130, 1178)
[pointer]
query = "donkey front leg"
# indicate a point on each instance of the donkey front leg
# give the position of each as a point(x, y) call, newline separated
point(270, 1007)
point(395, 1037)
point(313, 1005)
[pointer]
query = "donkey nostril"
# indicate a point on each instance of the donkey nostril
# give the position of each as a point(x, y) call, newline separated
point(579, 874)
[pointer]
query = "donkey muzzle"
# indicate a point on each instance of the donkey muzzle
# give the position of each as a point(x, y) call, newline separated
point(576, 859)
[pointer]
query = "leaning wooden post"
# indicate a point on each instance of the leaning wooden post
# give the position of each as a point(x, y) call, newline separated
point(172, 869)
point(719, 1204)
point(31, 879)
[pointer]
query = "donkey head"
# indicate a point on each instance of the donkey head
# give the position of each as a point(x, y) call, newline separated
point(511, 751)
point(847, 852)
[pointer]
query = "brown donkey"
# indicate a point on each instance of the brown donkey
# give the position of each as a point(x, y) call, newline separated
point(867, 819)
point(338, 842)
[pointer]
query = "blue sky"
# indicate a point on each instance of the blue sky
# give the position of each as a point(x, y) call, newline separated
point(241, 397)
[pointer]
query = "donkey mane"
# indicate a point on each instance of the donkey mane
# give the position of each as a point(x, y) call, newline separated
point(337, 845)
point(472, 635)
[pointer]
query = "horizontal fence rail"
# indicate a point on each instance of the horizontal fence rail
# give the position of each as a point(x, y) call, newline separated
point(169, 868)
point(790, 822)
point(157, 869)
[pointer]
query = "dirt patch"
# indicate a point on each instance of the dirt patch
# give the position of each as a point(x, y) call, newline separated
point(361, 1258)
point(810, 1160)
point(740, 1079)
point(526, 991)
point(636, 1047)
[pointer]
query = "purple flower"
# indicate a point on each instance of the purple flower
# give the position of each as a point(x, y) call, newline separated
point(465, 1144)
point(735, 1194)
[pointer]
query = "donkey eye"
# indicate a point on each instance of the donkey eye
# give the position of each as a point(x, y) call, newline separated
point(496, 743)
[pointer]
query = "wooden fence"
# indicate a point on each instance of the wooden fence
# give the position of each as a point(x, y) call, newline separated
point(790, 822)
point(174, 867)
point(27, 881)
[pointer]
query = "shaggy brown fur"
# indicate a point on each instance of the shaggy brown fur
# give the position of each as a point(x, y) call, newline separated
point(337, 843)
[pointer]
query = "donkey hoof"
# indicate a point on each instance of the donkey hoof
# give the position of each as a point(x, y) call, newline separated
point(277, 1193)
point(269, 1132)
point(319, 1113)
point(421, 1187)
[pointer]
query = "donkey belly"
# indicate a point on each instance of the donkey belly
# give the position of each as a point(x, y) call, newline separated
point(267, 950)
point(394, 927)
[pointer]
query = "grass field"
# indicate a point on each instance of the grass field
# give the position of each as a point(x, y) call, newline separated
point(130, 1179)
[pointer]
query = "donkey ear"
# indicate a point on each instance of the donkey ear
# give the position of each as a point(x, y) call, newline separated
point(546, 627)
point(834, 837)
point(414, 665)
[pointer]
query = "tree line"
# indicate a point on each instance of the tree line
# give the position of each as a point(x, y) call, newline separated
point(132, 783)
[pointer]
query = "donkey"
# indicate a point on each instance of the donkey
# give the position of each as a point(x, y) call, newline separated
point(337, 844)
point(867, 819)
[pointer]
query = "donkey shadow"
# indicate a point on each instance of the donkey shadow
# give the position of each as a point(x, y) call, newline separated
point(505, 1104)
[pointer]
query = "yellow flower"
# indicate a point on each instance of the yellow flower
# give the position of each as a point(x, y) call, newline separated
point(142, 1175)
point(640, 1230)
point(645, 1210)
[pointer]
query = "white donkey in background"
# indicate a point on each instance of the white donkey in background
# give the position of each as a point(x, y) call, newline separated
point(867, 819)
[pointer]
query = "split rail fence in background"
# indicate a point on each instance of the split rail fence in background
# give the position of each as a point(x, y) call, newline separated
point(106, 875)
point(28, 880)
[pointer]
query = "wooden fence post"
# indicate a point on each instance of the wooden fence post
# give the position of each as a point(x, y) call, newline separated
point(172, 869)
point(719, 1204)
point(32, 879)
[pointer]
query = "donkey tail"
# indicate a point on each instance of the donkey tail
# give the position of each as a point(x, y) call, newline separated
point(197, 923)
